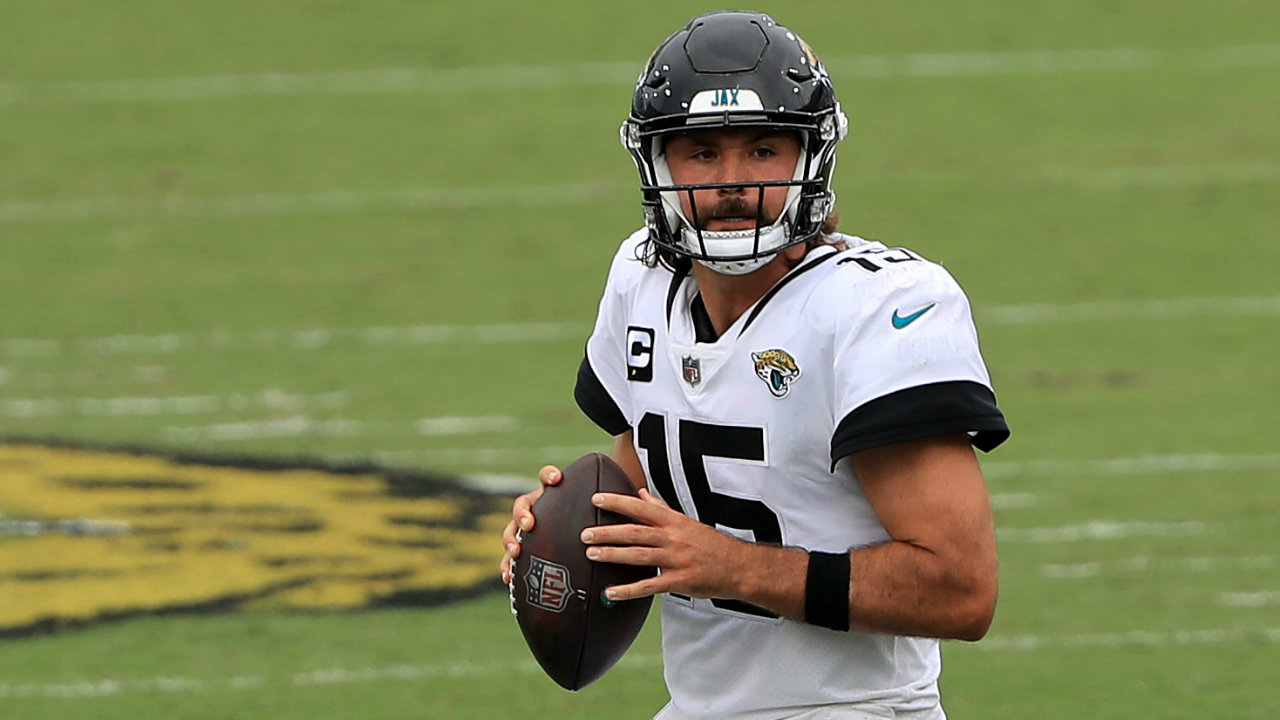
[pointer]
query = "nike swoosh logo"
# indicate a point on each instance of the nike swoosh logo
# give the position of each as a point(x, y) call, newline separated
point(901, 321)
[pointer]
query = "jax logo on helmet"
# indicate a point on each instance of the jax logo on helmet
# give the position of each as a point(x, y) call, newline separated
point(724, 99)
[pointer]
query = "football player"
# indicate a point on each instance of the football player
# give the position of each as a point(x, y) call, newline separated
point(800, 406)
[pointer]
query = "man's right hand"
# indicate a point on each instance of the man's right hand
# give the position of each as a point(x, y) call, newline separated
point(522, 518)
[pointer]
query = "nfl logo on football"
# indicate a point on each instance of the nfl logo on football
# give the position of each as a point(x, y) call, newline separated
point(548, 584)
point(692, 369)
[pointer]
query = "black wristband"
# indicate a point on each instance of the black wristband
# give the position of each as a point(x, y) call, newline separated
point(826, 590)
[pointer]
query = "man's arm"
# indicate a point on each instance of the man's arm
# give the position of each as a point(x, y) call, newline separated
point(936, 577)
point(624, 453)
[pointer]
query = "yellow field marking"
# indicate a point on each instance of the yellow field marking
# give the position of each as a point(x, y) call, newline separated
point(88, 534)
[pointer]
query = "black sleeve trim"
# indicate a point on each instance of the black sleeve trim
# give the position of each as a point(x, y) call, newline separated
point(596, 402)
point(920, 412)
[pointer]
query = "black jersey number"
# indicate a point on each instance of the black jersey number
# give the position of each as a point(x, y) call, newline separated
point(876, 260)
point(701, 440)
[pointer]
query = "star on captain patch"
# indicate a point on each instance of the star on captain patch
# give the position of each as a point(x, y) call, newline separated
point(692, 370)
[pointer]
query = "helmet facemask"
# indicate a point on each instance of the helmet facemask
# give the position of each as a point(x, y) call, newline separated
point(738, 252)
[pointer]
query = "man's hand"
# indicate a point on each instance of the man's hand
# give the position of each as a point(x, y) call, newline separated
point(522, 517)
point(694, 559)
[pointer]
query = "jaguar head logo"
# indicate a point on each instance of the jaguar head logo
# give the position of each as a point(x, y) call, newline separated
point(777, 369)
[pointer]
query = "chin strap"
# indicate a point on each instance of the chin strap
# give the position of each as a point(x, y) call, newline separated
point(746, 238)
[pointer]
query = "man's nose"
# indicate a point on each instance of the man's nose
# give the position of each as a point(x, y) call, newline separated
point(731, 169)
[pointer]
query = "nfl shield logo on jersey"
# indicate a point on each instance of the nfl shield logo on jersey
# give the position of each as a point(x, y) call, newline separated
point(692, 369)
point(548, 583)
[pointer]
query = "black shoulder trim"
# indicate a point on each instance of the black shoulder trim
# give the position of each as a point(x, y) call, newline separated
point(596, 403)
point(920, 412)
point(781, 284)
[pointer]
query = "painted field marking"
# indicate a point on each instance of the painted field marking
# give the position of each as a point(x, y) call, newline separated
point(517, 332)
point(1100, 530)
point(1140, 465)
point(541, 77)
point(1256, 599)
point(1133, 638)
point(290, 427)
point(299, 340)
point(412, 673)
point(299, 426)
point(272, 399)
point(1143, 564)
point(1013, 501)
point(454, 425)
point(330, 201)
point(1119, 178)
point(570, 194)
point(487, 456)
point(1127, 310)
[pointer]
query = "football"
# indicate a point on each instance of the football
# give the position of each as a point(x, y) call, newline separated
point(557, 594)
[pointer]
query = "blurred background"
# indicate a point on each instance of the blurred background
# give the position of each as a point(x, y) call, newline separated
point(374, 234)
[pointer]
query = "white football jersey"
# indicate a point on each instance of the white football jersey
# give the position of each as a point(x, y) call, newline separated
point(751, 433)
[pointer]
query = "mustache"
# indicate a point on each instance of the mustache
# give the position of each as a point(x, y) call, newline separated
point(733, 206)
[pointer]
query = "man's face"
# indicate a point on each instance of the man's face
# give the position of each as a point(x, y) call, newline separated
point(728, 155)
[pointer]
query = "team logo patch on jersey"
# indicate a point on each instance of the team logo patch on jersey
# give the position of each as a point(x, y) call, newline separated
point(777, 369)
point(548, 584)
point(692, 368)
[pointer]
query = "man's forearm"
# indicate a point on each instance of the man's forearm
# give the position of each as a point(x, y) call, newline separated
point(895, 588)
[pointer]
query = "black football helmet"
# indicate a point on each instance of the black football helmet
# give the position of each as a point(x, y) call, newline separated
point(734, 69)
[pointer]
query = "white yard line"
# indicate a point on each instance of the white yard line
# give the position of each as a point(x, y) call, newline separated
point(1252, 599)
point(330, 201)
point(1156, 176)
point(1100, 530)
point(522, 332)
point(1142, 564)
point(302, 426)
point(453, 425)
point(290, 427)
point(1126, 310)
point(1141, 465)
point(1013, 501)
point(1133, 638)
point(473, 79)
point(299, 340)
point(414, 673)
point(570, 194)
point(144, 406)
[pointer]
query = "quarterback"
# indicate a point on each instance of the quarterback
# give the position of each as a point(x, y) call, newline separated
point(801, 407)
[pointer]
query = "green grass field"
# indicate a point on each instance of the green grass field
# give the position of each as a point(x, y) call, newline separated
point(379, 230)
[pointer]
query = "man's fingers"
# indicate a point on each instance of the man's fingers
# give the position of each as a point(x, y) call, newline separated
point(651, 498)
point(622, 535)
point(550, 475)
point(632, 555)
point(631, 591)
point(522, 517)
point(646, 511)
